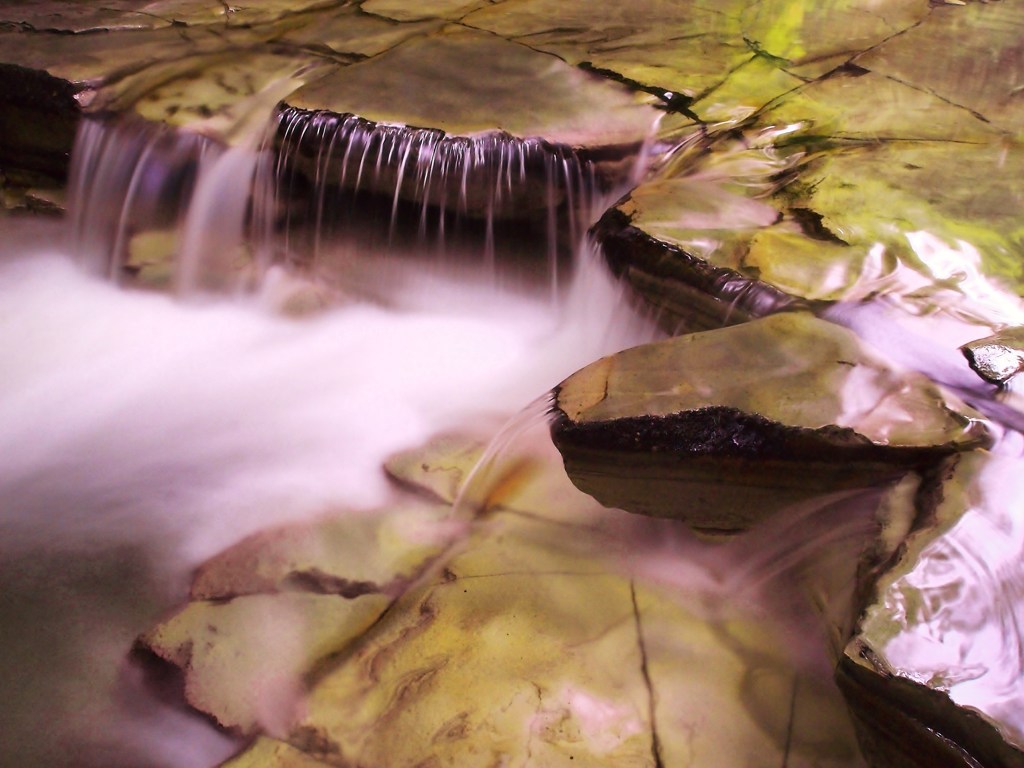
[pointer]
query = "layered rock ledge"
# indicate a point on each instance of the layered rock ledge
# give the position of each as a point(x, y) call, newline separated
point(723, 428)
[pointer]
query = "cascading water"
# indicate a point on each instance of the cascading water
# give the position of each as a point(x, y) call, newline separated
point(346, 307)
point(144, 434)
point(453, 197)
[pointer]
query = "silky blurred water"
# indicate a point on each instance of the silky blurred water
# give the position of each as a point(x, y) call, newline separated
point(143, 433)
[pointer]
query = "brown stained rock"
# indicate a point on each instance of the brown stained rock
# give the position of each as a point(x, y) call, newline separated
point(932, 672)
point(722, 428)
point(128, 15)
point(401, 10)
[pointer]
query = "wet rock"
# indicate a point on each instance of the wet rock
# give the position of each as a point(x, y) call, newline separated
point(265, 612)
point(980, 45)
point(932, 673)
point(127, 15)
point(810, 40)
point(244, 659)
point(504, 655)
point(348, 555)
point(886, 179)
point(723, 428)
point(997, 358)
point(464, 121)
point(941, 225)
point(464, 82)
point(271, 753)
point(439, 469)
point(821, 210)
point(205, 66)
point(744, 55)
point(664, 51)
point(680, 239)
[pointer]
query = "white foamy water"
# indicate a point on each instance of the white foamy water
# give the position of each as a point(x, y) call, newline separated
point(142, 434)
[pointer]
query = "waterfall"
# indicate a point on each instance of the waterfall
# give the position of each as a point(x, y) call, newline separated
point(323, 194)
point(145, 431)
point(461, 199)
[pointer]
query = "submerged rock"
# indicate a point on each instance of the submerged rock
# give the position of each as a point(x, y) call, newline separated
point(933, 672)
point(723, 428)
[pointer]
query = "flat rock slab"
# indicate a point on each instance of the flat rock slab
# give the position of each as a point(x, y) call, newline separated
point(686, 51)
point(933, 672)
point(862, 169)
point(265, 612)
point(722, 428)
point(508, 655)
point(118, 15)
point(243, 660)
point(533, 641)
point(465, 82)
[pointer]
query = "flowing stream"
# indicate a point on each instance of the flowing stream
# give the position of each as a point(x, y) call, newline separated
point(144, 431)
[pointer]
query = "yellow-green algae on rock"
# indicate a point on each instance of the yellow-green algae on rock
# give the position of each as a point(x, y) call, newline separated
point(244, 659)
point(526, 652)
point(721, 428)
point(889, 177)
point(265, 612)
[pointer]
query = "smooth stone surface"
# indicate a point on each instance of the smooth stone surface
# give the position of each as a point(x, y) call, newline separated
point(244, 659)
point(465, 82)
point(508, 656)
point(684, 48)
point(345, 554)
point(980, 65)
point(723, 428)
point(121, 15)
point(265, 612)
